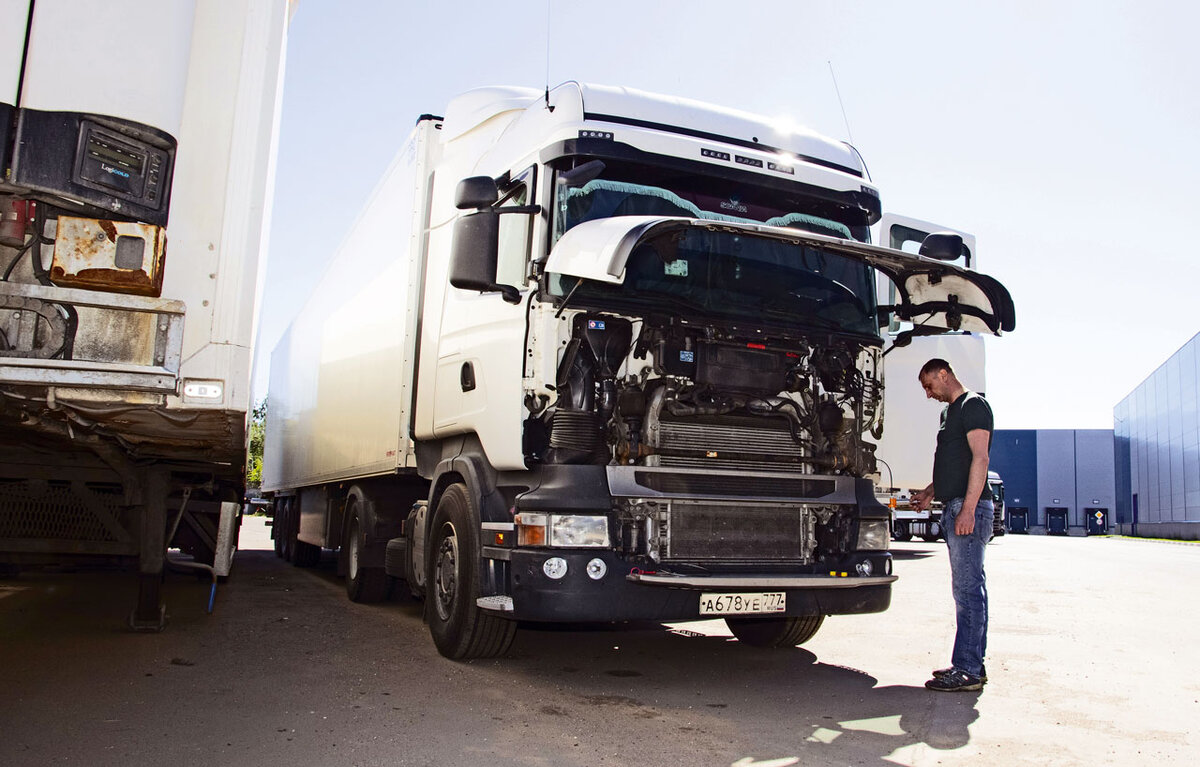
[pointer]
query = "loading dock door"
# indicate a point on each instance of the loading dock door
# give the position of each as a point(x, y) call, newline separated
point(1056, 520)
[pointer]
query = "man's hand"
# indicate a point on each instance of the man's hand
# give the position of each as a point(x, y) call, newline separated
point(922, 498)
point(964, 523)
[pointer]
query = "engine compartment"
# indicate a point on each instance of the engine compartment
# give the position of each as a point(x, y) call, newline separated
point(665, 393)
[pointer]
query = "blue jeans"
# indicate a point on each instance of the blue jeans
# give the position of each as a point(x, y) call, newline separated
point(968, 584)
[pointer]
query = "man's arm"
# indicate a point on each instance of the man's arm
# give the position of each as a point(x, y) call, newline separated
point(977, 439)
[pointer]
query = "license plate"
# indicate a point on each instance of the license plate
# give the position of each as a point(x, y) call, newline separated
point(743, 604)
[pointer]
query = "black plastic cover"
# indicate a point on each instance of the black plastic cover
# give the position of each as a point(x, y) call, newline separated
point(742, 369)
point(117, 168)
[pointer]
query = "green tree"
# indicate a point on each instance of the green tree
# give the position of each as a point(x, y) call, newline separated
point(257, 429)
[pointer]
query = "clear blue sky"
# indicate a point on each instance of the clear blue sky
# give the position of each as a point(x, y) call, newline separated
point(1062, 134)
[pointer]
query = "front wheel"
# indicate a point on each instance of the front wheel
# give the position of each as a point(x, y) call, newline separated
point(459, 628)
point(775, 632)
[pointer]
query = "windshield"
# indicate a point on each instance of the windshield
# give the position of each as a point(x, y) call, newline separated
point(617, 188)
point(709, 275)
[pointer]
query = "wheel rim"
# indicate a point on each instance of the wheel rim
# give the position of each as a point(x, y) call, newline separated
point(352, 553)
point(445, 574)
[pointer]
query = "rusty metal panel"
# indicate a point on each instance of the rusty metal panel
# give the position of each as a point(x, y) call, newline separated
point(114, 256)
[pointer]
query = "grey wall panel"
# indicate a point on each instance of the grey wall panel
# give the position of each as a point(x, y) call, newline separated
point(1056, 474)
point(1159, 425)
point(1095, 485)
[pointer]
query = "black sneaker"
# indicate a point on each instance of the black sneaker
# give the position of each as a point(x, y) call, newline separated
point(955, 681)
point(945, 671)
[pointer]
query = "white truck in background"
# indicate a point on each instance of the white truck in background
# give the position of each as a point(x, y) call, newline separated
point(595, 354)
point(137, 139)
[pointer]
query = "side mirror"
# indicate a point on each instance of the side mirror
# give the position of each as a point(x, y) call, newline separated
point(473, 254)
point(476, 192)
point(943, 246)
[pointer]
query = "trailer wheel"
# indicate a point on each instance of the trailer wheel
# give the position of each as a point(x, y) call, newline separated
point(902, 532)
point(459, 628)
point(286, 531)
point(306, 554)
point(935, 532)
point(775, 632)
point(277, 528)
point(363, 584)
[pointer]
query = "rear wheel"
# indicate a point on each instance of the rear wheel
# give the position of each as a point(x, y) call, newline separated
point(935, 532)
point(277, 527)
point(363, 584)
point(459, 628)
point(303, 554)
point(901, 531)
point(775, 632)
point(286, 531)
point(306, 555)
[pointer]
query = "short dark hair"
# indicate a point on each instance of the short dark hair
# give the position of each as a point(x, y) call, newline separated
point(933, 366)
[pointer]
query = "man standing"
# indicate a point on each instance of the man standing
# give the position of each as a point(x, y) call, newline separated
point(960, 467)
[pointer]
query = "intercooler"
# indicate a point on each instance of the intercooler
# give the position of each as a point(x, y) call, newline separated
point(756, 444)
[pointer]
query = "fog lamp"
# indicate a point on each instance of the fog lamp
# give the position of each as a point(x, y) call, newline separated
point(555, 568)
point(596, 569)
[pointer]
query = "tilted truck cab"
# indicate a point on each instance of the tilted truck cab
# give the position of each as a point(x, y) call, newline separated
point(623, 362)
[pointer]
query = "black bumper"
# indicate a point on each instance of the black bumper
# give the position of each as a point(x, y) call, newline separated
point(625, 594)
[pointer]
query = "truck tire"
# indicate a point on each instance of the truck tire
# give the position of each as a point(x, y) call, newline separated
point(459, 628)
point(296, 551)
point(286, 530)
point(775, 632)
point(935, 532)
point(901, 531)
point(363, 584)
point(277, 528)
point(306, 554)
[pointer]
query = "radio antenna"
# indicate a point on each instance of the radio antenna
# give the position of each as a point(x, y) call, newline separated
point(548, 105)
point(838, 91)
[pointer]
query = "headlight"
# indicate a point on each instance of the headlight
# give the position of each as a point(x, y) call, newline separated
point(575, 530)
point(873, 534)
point(562, 530)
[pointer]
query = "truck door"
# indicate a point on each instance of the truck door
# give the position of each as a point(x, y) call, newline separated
point(478, 386)
point(910, 420)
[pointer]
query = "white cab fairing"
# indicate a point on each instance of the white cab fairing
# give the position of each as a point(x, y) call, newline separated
point(934, 294)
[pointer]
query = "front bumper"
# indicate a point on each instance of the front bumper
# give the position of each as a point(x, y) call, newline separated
point(626, 593)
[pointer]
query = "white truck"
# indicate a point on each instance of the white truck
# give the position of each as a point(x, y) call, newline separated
point(137, 139)
point(593, 354)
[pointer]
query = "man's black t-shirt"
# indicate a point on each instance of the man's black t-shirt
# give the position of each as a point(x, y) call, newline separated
point(952, 461)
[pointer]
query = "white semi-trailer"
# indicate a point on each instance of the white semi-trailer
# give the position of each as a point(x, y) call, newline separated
point(137, 142)
point(599, 355)
point(905, 449)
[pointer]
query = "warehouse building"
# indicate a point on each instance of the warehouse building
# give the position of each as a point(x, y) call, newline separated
point(1157, 444)
point(1057, 481)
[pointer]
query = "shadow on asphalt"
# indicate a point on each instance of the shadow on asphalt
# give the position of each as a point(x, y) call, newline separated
point(830, 714)
point(815, 712)
point(912, 553)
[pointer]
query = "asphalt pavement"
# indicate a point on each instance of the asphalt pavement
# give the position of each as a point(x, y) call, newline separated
point(1091, 658)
